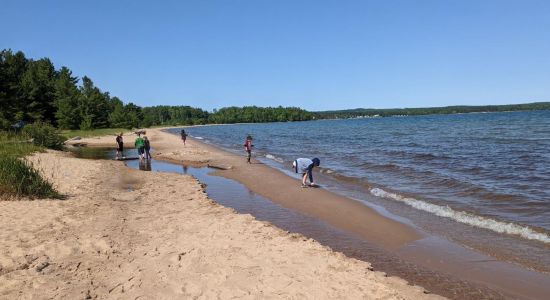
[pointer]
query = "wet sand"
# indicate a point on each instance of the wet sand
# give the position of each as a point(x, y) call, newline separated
point(123, 233)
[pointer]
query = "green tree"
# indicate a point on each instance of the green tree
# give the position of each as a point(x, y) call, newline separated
point(38, 91)
point(12, 68)
point(94, 106)
point(67, 100)
point(125, 116)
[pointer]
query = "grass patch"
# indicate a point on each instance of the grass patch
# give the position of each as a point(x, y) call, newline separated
point(18, 178)
point(91, 133)
point(16, 145)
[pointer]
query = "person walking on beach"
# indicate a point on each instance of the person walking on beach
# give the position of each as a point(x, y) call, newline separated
point(183, 136)
point(140, 146)
point(147, 147)
point(248, 147)
point(305, 167)
point(119, 147)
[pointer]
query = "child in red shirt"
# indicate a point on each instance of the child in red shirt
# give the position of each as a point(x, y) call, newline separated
point(248, 147)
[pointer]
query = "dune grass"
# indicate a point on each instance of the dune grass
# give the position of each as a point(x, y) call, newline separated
point(18, 178)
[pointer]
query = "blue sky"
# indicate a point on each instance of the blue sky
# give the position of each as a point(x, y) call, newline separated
point(317, 55)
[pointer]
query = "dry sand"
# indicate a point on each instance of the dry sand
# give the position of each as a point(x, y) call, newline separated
point(122, 233)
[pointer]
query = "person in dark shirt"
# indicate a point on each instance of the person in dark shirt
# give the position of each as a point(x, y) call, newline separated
point(183, 136)
point(119, 147)
point(147, 147)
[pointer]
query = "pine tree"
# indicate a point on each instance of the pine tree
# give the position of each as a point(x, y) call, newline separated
point(94, 107)
point(12, 68)
point(67, 100)
point(38, 92)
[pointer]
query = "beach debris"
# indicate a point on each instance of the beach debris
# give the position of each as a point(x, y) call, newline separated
point(219, 166)
point(41, 266)
point(180, 255)
point(78, 144)
point(113, 288)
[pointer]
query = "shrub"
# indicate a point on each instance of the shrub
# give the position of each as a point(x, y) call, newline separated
point(44, 135)
point(18, 178)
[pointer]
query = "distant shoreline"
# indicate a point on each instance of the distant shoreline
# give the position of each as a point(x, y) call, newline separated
point(423, 111)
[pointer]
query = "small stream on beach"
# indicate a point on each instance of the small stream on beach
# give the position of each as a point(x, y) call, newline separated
point(232, 194)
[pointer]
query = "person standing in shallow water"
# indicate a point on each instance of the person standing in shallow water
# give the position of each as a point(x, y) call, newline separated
point(140, 146)
point(147, 147)
point(248, 147)
point(119, 147)
point(305, 167)
point(183, 136)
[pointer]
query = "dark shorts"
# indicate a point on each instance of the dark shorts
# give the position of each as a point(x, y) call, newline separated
point(120, 147)
point(141, 150)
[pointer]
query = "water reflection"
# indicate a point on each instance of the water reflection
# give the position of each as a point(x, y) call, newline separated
point(145, 165)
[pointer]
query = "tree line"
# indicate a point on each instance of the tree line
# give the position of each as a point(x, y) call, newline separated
point(35, 91)
point(370, 112)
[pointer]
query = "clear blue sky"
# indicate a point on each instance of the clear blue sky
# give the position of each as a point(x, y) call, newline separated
point(317, 55)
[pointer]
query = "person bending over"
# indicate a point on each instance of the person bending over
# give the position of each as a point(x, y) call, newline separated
point(305, 167)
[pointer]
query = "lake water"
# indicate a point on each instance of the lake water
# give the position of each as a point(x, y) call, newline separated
point(478, 179)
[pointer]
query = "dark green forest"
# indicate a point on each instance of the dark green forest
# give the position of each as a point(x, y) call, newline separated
point(35, 91)
point(370, 112)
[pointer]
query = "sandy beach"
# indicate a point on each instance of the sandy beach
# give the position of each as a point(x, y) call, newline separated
point(122, 233)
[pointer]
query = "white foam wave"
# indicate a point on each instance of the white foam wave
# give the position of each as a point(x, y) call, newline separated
point(466, 218)
point(198, 137)
point(269, 156)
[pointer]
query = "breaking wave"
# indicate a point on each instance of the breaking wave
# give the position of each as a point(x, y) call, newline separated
point(275, 158)
point(465, 217)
